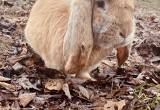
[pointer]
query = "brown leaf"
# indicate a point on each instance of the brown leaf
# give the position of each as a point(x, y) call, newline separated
point(24, 50)
point(15, 59)
point(7, 96)
point(157, 107)
point(106, 70)
point(155, 59)
point(122, 54)
point(4, 79)
point(26, 84)
point(26, 98)
point(15, 106)
point(17, 66)
point(54, 84)
point(66, 90)
point(8, 86)
point(111, 105)
point(84, 91)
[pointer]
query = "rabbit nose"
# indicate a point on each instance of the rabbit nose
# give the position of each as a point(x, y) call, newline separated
point(125, 32)
point(125, 29)
point(122, 35)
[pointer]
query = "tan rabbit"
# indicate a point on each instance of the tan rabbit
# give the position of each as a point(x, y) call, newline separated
point(72, 36)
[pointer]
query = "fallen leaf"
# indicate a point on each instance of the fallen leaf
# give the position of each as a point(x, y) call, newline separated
point(106, 70)
point(4, 79)
point(155, 59)
point(54, 84)
point(26, 84)
point(39, 100)
point(66, 90)
point(15, 106)
point(157, 107)
point(74, 80)
point(17, 67)
point(6, 96)
point(84, 91)
point(62, 105)
point(15, 59)
point(24, 50)
point(26, 98)
point(8, 86)
point(29, 62)
point(111, 105)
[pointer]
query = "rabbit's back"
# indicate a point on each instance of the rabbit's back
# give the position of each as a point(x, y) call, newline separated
point(45, 30)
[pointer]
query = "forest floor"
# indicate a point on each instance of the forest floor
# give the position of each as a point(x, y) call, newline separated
point(25, 83)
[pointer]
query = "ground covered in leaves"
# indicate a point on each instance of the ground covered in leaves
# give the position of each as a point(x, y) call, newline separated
point(25, 83)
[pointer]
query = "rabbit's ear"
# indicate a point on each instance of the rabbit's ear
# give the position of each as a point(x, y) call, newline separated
point(78, 39)
point(123, 54)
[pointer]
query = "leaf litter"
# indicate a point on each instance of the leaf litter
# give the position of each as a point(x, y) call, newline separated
point(26, 83)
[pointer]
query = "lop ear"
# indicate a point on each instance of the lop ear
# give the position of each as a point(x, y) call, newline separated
point(78, 40)
point(123, 54)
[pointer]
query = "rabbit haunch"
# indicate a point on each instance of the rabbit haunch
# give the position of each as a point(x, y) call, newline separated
point(60, 31)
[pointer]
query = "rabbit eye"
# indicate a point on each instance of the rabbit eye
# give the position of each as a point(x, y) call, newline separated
point(100, 4)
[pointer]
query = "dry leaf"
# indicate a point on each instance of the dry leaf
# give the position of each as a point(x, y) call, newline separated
point(39, 100)
point(29, 62)
point(26, 98)
point(26, 84)
point(8, 86)
point(84, 91)
point(122, 54)
point(111, 105)
point(15, 106)
point(15, 59)
point(17, 66)
point(4, 79)
point(54, 84)
point(24, 51)
point(66, 90)
point(157, 107)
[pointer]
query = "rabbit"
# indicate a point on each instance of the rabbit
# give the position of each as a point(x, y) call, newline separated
point(73, 36)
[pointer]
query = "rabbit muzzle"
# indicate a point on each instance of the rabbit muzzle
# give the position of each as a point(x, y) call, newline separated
point(127, 34)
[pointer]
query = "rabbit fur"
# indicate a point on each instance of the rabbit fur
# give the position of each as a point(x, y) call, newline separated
point(73, 36)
